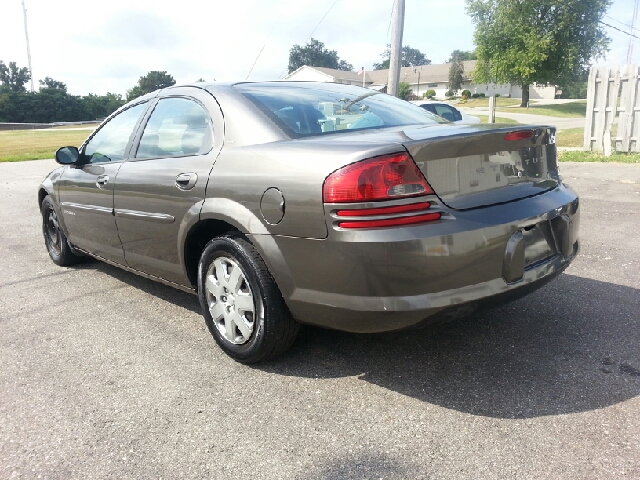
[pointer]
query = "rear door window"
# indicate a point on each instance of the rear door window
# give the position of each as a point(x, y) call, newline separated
point(447, 112)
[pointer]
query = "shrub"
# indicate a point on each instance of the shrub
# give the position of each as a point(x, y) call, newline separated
point(482, 95)
point(449, 93)
point(429, 93)
point(466, 93)
point(497, 95)
point(475, 95)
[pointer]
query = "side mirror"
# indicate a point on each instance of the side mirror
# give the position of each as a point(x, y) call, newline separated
point(67, 155)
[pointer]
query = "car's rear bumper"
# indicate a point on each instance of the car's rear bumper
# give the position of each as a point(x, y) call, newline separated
point(394, 278)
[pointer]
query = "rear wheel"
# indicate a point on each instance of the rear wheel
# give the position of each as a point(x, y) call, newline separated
point(241, 303)
point(54, 238)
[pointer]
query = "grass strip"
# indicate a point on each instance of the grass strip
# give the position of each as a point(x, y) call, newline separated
point(562, 110)
point(484, 102)
point(581, 156)
point(572, 137)
point(19, 145)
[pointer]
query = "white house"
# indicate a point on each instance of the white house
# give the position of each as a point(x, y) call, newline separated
point(421, 79)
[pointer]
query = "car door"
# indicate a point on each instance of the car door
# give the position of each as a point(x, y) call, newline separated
point(163, 182)
point(86, 189)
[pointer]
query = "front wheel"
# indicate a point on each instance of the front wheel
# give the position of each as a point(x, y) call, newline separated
point(54, 238)
point(242, 306)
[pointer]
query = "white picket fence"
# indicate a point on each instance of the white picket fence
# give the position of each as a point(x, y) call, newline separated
point(613, 101)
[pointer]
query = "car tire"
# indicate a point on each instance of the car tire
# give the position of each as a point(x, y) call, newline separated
point(54, 238)
point(241, 303)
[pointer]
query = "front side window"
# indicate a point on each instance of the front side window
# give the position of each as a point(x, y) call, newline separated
point(109, 143)
point(177, 127)
point(303, 110)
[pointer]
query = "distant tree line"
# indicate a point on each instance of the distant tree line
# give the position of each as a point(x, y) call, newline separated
point(52, 102)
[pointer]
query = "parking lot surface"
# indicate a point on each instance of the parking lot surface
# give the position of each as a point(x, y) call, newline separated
point(105, 374)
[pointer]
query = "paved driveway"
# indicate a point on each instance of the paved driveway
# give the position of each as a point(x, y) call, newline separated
point(107, 375)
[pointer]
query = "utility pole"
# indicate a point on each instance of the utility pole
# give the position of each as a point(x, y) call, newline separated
point(397, 26)
point(633, 24)
point(26, 34)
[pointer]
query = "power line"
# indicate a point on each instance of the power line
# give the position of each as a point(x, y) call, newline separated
point(313, 31)
point(266, 39)
point(618, 21)
point(618, 29)
point(607, 24)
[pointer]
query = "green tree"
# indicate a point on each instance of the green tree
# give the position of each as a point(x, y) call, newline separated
point(101, 106)
point(456, 73)
point(51, 84)
point(152, 81)
point(575, 89)
point(410, 57)
point(404, 90)
point(463, 55)
point(315, 55)
point(542, 41)
point(12, 78)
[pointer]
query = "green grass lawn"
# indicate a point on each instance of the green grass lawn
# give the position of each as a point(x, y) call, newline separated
point(18, 145)
point(564, 110)
point(572, 137)
point(580, 156)
point(484, 102)
point(485, 119)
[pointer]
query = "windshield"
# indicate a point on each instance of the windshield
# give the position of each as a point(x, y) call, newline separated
point(307, 109)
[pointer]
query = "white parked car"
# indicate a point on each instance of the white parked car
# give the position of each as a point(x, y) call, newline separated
point(446, 111)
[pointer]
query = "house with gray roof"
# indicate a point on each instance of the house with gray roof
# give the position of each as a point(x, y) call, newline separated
point(421, 78)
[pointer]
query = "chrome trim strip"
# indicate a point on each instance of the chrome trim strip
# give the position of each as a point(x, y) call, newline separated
point(88, 208)
point(149, 217)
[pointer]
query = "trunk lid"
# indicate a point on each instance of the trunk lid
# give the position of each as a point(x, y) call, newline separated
point(477, 167)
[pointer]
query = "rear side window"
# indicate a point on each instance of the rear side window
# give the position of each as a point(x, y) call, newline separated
point(445, 111)
point(109, 143)
point(307, 110)
point(177, 127)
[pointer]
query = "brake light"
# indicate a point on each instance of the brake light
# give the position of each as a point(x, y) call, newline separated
point(519, 135)
point(381, 178)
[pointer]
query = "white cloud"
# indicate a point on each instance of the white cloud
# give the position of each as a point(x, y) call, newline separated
point(95, 47)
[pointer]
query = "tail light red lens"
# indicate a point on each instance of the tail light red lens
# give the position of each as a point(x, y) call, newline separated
point(382, 178)
point(519, 135)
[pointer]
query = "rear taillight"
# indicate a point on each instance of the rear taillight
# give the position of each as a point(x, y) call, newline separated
point(382, 178)
point(519, 135)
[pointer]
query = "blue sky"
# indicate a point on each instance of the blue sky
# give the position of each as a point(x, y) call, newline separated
point(95, 50)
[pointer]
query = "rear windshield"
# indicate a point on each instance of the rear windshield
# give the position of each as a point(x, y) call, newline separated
point(312, 109)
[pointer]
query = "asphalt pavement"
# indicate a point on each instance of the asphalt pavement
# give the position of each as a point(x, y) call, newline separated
point(105, 374)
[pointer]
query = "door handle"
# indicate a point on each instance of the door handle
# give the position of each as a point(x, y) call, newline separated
point(186, 181)
point(102, 181)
